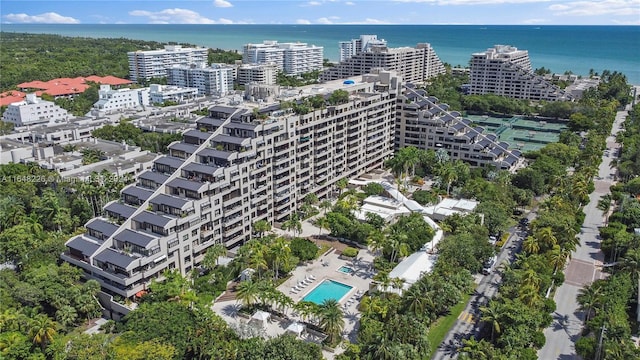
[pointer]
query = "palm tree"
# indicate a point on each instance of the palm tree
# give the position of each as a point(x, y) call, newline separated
point(66, 315)
point(326, 205)
point(331, 320)
point(414, 300)
point(214, 252)
point(589, 297)
point(279, 250)
point(342, 184)
point(604, 204)
point(491, 314)
point(293, 224)
point(376, 240)
point(531, 245)
point(530, 295)
point(631, 262)
point(447, 174)
point(42, 330)
point(247, 292)
point(261, 227)
point(545, 235)
point(322, 223)
point(558, 257)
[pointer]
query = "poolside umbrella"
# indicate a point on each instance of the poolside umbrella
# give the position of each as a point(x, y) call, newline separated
point(296, 328)
point(261, 316)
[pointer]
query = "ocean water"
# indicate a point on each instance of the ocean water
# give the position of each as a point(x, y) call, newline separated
point(560, 48)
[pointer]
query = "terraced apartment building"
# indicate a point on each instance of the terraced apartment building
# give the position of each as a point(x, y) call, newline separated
point(413, 64)
point(244, 163)
point(504, 70)
point(425, 123)
point(144, 65)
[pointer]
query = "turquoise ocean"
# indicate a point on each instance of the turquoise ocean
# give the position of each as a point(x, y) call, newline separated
point(578, 49)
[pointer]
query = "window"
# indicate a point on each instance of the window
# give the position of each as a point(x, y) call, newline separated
point(185, 237)
point(186, 248)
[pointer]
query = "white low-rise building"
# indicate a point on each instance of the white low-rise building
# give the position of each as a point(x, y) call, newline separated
point(160, 93)
point(110, 100)
point(33, 110)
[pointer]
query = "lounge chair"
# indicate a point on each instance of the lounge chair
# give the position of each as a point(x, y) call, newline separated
point(294, 290)
point(313, 278)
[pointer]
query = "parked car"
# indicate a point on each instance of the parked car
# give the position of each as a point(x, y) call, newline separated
point(488, 265)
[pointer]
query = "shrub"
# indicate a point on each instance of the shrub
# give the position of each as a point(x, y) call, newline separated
point(350, 252)
point(303, 249)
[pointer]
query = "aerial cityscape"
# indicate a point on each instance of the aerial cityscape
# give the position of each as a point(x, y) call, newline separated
point(313, 180)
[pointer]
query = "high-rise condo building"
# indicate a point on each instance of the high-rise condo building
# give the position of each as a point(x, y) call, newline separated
point(144, 65)
point(291, 58)
point(356, 46)
point(244, 163)
point(257, 73)
point(216, 79)
point(504, 70)
point(413, 64)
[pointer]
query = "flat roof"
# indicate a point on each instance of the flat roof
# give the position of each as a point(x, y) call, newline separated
point(231, 139)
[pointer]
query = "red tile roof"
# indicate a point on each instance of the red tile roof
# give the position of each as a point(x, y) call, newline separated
point(10, 97)
point(70, 86)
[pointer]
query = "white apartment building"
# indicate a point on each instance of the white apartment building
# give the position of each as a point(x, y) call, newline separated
point(426, 124)
point(504, 70)
point(113, 100)
point(265, 74)
point(239, 167)
point(356, 46)
point(144, 65)
point(413, 64)
point(33, 110)
point(291, 58)
point(158, 94)
point(216, 79)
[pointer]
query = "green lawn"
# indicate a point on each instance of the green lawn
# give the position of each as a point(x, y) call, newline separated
point(441, 327)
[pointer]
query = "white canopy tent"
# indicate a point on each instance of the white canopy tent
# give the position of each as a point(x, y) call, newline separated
point(296, 328)
point(261, 316)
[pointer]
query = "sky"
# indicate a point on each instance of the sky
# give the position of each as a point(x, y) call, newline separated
point(421, 12)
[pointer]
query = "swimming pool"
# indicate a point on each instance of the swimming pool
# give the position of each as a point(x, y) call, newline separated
point(345, 269)
point(328, 289)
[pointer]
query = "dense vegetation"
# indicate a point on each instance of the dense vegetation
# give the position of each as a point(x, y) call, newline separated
point(28, 57)
point(516, 317)
point(611, 305)
point(128, 133)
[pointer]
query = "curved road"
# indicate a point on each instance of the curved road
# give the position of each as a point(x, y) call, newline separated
point(585, 265)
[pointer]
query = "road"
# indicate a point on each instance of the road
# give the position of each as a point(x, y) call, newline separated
point(585, 265)
point(468, 323)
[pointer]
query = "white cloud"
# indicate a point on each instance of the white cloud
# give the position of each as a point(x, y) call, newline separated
point(472, 2)
point(350, 3)
point(45, 18)
point(314, 3)
point(225, 21)
point(173, 16)
point(534, 21)
point(324, 20)
point(303, 22)
point(222, 4)
point(596, 8)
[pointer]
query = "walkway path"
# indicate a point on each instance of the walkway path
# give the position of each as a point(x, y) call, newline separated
point(585, 265)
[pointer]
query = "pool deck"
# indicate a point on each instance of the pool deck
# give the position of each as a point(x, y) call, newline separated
point(325, 267)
